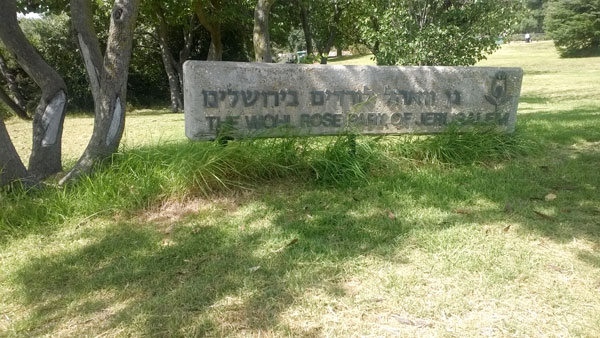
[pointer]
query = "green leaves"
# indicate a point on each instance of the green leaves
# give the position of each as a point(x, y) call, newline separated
point(574, 26)
point(428, 32)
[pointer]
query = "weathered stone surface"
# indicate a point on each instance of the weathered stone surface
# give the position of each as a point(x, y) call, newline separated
point(270, 100)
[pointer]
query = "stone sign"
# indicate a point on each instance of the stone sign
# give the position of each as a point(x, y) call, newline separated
point(273, 100)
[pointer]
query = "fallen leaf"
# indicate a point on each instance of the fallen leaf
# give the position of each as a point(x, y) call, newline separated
point(550, 197)
point(463, 211)
point(544, 216)
point(254, 269)
point(507, 228)
point(391, 215)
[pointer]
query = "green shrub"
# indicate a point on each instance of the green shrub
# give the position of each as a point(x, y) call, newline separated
point(574, 25)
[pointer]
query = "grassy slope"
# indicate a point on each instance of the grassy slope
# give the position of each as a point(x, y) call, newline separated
point(414, 251)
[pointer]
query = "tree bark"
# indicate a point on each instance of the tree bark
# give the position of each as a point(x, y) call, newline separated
point(306, 27)
point(108, 79)
point(185, 52)
point(375, 25)
point(13, 105)
point(48, 119)
point(332, 33)
point(11, 166)
point(17, 97)
point(260, 36)
point(215, 51)
point(169, 63)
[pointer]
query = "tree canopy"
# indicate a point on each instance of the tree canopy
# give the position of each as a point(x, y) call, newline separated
point(431, 32)
point(574, 25)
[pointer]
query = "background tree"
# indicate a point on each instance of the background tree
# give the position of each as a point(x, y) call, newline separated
point(304, 14)
point(45, 158)
point(533, 17)
point(431, 32)
point(323, 23)
point(211, 14)
point(260, 35)
point(228, 23)
point(574, 25)
point(12, 98)
point(51, 35)
point(172, 25)
point(13, 105)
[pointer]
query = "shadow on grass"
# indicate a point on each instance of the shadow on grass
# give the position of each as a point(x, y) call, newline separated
point(153, 112)
point(565, 127)
point(538, 72)
point(206, 264)
point(222, 272)
point(235, 272)
point(533, 99)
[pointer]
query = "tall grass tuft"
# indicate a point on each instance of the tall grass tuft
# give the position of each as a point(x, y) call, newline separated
point(145, 177)
point(344, 159)
point(454, 146)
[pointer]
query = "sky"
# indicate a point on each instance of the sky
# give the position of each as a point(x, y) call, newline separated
point(28, 16)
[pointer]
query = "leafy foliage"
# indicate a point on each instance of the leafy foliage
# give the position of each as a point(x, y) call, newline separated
point(574, 25)
point(533, 18)
point(52, 37)
point(429, 32)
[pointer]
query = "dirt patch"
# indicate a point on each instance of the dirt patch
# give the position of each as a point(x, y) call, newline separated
point(171, 211)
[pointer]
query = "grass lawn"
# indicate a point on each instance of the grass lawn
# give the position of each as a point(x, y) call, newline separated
point(402, 248)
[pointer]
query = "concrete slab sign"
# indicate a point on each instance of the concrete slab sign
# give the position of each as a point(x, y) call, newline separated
point(275, 100)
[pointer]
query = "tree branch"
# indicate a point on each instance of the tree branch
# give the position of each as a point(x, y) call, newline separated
point(81, 16)
point(13, 105)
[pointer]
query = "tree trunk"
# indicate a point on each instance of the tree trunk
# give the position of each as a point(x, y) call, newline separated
point(375, 25)
point(17, 97)
point(260, 36)
point(185, 52)
point(306, 28)
point(332, 34)
point(169, 62)
point(11, 166)
point(338, 50)
point(328, 45)
point(45, 158)
point(109, 82)
point(215, 51)
point(13, 105)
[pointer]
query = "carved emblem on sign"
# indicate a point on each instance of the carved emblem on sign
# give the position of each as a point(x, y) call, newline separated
point(498, 90)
